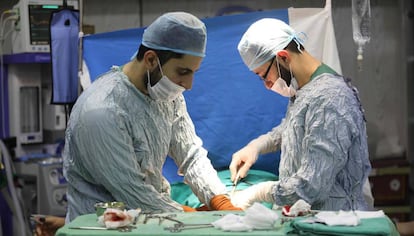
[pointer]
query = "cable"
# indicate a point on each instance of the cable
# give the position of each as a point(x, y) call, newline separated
point(9, 11)
point(3, 96)
point(17, 205)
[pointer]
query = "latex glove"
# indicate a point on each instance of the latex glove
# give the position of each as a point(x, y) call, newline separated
point(222, 203)
point(188, 209)
point(261, 192)
point(243, 159)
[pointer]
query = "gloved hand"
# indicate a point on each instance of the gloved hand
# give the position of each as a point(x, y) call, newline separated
point(243, 159)
point(188, 209)
point(261, 192)
point(222, 203)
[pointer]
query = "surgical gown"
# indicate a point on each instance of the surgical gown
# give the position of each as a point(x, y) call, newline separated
point(117, 141)
point(323, 143)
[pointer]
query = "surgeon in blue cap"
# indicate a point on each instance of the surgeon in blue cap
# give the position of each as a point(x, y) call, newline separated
point(123, 127)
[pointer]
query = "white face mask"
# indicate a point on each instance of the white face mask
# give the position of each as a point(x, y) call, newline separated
point(164, 89)
point(281, 87)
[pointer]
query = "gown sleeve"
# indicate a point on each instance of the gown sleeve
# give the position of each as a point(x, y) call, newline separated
point(191, 158)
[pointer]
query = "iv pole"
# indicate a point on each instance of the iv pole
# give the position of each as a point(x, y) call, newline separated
point(68, 108)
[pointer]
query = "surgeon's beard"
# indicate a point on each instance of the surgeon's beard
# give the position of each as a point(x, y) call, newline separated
point(283, 85)
point(285, 75)
point(154, 75)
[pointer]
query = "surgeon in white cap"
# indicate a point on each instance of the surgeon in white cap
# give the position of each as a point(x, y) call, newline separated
point(322, 139)
point(124, 125)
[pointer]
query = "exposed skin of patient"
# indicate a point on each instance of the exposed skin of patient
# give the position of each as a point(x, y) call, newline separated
point(405, 228)
point(48, 225)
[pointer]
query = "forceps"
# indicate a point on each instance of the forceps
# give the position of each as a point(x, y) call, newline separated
point(235, 183)
point(180, 227)
point(120, 229)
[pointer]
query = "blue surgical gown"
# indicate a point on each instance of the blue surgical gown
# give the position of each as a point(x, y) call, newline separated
point(323, 143)
point(117, 141)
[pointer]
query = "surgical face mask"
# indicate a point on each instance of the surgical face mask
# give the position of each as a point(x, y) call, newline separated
point(280, 86)
point(164, 89)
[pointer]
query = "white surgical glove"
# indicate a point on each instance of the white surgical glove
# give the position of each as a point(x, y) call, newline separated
point(243, 159)
point(261, 192)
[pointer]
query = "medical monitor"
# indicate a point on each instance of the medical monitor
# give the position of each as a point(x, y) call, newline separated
point(31, 31)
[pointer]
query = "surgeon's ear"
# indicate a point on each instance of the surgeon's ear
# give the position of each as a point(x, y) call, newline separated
point(150, 60)
point(283, 56)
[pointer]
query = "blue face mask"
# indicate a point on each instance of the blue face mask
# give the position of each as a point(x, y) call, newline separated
point(164, 89)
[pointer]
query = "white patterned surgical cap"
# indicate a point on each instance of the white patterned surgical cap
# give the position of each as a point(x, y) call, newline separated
point(263, 39)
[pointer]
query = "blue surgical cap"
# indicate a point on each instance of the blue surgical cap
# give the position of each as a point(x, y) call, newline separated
point(263, 39)
point(179, 32)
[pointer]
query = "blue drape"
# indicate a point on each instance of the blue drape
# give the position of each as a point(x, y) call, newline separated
point(64, 34)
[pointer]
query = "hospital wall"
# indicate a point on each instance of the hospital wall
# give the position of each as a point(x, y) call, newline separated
point(385, 82)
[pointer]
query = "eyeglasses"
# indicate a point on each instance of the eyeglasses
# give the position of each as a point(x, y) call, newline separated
point(263, 78)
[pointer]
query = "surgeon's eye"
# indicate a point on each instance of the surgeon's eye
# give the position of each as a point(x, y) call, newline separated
point(184, 72)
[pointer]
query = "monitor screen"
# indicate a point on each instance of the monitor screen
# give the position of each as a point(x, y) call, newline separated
point(39, 17)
